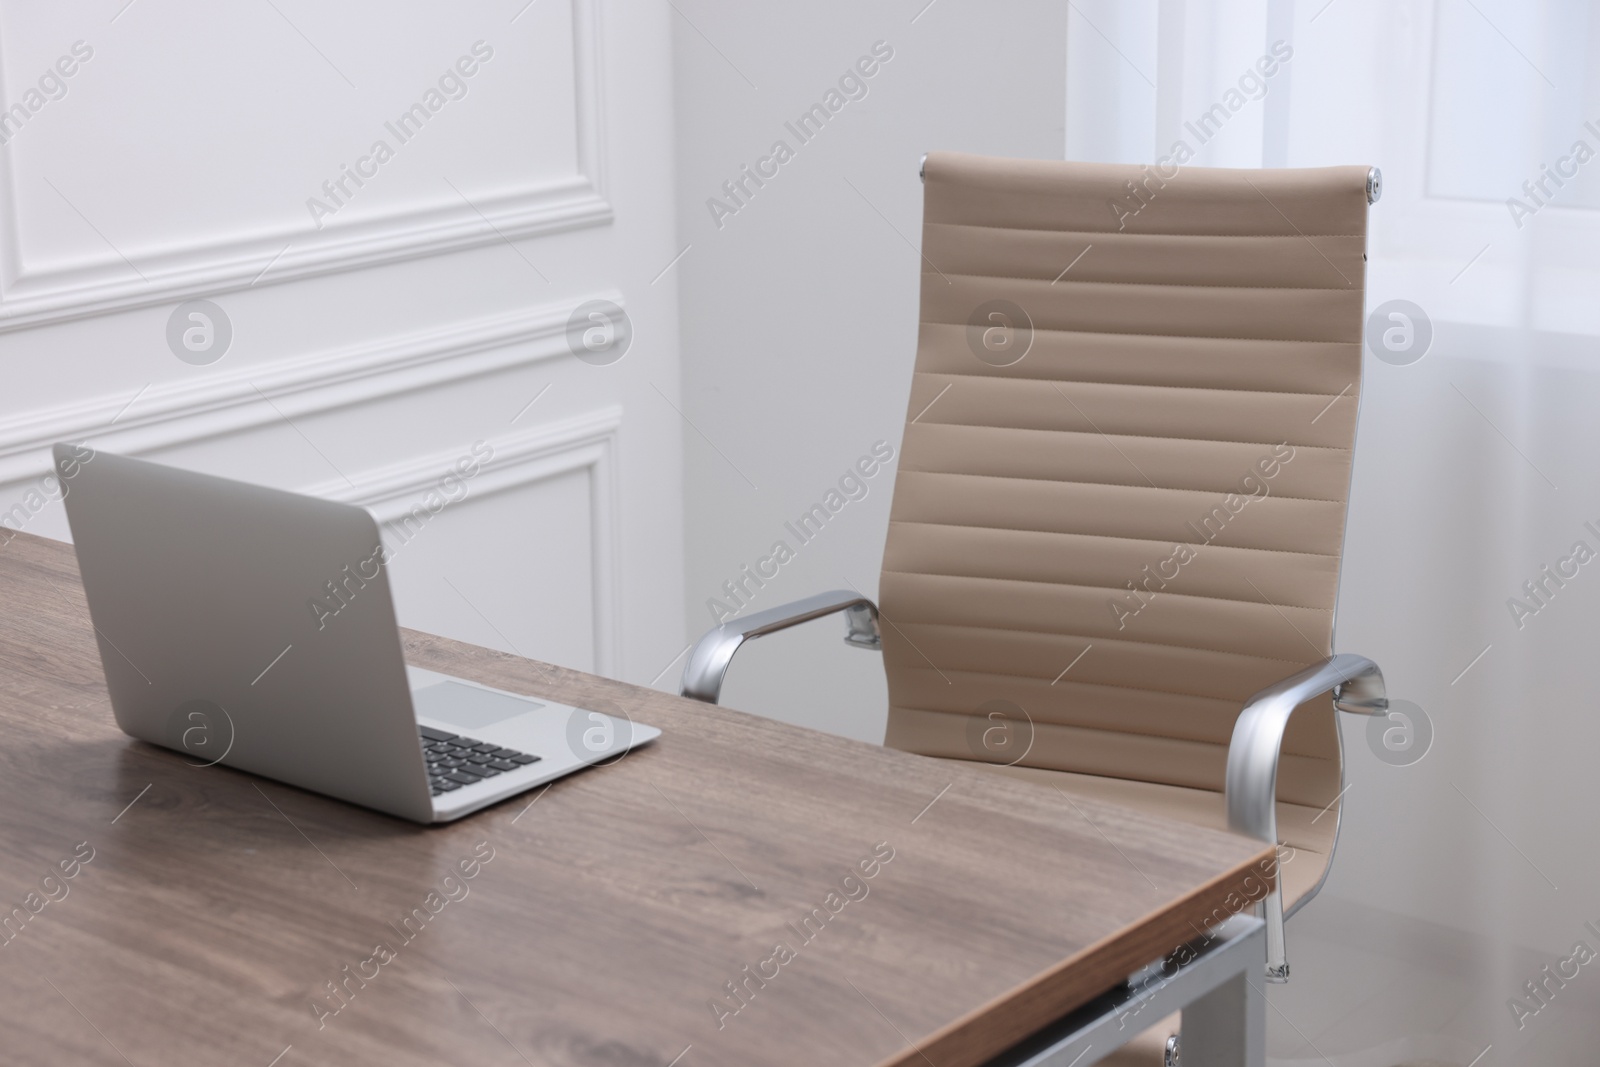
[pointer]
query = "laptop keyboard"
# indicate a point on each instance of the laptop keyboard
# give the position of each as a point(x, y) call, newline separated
point(455, 761)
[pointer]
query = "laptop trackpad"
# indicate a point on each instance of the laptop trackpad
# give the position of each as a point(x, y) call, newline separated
point(468, 707)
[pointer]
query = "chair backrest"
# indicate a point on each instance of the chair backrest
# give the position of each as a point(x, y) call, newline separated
point(1121, 495)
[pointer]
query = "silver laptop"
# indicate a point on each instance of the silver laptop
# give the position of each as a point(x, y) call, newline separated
point(254, 628)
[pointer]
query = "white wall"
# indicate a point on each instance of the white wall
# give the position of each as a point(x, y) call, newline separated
point(377, 337)
point(799, 312)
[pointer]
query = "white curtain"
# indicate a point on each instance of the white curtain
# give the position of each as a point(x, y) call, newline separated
point(1461, 875)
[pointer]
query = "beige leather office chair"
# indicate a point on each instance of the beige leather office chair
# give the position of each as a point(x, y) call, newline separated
point(1113, 552)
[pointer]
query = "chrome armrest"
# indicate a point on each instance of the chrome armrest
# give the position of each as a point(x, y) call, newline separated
point(1253, 754)
point(708, 662)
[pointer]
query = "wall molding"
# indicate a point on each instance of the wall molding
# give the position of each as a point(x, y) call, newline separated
point(250, 256)
point(182, 413)
point(584, 444)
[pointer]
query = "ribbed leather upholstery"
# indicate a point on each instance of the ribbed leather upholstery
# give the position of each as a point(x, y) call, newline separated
point(1187, 404)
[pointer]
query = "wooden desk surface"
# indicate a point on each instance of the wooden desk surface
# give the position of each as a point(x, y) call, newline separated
point(217, 906)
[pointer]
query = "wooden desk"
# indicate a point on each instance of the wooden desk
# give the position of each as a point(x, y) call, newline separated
point(217, 906)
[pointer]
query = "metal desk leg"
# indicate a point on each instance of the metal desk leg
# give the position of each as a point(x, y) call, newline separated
point(1216, 982)
point(1227, 1026)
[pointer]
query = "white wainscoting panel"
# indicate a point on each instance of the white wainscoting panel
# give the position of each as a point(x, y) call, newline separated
point(218, 194)
point(378, 341)
point(233, 401)
point(522, 554)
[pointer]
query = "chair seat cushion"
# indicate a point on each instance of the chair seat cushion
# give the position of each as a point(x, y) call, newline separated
point(1148, 1049)
point(1308, 831)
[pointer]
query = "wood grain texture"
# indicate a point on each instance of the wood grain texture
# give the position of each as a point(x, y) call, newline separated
point(617, 905)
